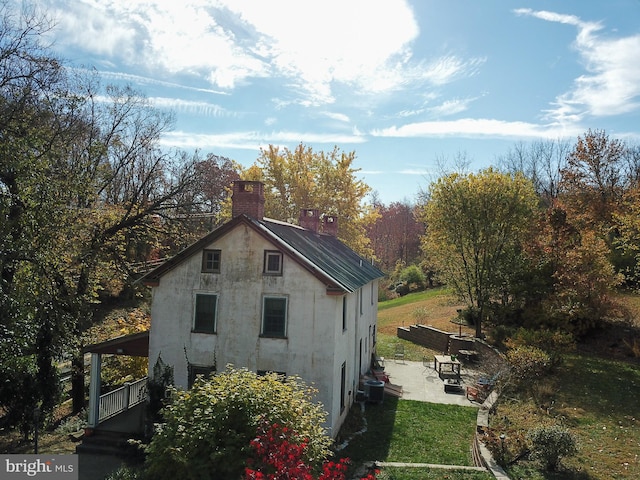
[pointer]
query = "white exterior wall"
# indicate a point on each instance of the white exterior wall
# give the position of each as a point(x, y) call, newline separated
point(315, 346)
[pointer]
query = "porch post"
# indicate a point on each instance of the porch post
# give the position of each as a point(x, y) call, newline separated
point(94, 390)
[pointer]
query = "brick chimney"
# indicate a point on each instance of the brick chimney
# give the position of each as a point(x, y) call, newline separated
point(330, 225)
point(248, 198)
point(309, 219)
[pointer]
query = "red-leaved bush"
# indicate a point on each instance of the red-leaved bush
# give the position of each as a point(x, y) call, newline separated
point(279, 453)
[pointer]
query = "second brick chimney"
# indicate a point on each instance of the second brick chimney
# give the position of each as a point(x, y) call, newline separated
point(248, 198)
point(330, 225)
point(309, 219)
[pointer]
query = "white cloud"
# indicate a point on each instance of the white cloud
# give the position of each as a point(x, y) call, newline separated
point(341, 117)
point(450, 107)
point(191, 107)
point(313, 45)
point(253, 140)
point(471, 127)
point(611, 85)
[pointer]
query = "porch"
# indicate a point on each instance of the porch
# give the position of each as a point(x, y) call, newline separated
point(106, 410)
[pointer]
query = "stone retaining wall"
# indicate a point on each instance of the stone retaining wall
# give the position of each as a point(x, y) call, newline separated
point(426, 336)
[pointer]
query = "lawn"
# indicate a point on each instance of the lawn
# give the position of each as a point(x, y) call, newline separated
point(436, 307)
point(597, 399)
point(414, 432)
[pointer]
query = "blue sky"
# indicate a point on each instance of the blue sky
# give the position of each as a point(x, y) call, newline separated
point(407, 85)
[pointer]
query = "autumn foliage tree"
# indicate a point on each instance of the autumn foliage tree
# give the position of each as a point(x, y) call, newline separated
point(395, 234)
point(326, 181)
point(83, 186)
point(476, 224)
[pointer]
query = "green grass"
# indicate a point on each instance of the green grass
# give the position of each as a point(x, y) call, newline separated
point(413, 298)
point(597, 399)
point(414, 473)
point(386, 347)
point(414, 432)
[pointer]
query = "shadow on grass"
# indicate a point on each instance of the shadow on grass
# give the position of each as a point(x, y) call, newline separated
point(375, 443)
point(532, 473)
point(415, 432)
point(598, 385)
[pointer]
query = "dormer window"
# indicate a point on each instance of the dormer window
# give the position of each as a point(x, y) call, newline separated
point(272, 262)
point(211, 261)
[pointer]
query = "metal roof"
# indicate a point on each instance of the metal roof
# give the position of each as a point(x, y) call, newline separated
point(326, 253)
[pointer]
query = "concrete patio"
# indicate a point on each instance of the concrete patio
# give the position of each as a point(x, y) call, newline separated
point(420, 382)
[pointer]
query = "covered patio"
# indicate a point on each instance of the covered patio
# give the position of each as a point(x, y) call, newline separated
point(109, 405)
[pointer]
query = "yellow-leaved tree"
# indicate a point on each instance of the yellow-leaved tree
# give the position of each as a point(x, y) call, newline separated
point(475, 226)
point(303, 178)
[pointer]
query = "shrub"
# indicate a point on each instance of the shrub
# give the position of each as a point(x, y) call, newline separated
point(413, 275)
point(555, 343)
point(550, 444)
point(420, 315)
point(209, 428)
point(528, 364)
point(125, 472)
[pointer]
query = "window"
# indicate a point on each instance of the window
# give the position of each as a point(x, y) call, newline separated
point(344, 313)
point(211, 261)
point(343, 385)
point(274, 317)
point(205, 313)
point(272, 262)
point(196, 371)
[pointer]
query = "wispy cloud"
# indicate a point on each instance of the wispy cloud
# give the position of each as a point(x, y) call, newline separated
point(253, 140)
point(191, 107)
point(142, 80)
point(450, 107)
point(611, 85)
point(474, 127)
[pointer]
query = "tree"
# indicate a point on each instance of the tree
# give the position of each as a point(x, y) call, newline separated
point(208, 430)
point(325, 181)
point(84, 190)
point(475, 227)
point(38, 114)
point(549, 444)
point(542, 162)
point(395, 234)
point(593, 181)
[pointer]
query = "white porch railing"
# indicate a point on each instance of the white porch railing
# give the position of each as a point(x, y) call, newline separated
point(120, 400)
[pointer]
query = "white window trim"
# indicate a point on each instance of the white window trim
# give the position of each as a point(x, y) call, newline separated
point(270, 253)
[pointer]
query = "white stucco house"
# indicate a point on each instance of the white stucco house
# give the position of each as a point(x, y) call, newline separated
point(268, 296)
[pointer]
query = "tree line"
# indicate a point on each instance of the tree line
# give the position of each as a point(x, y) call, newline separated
point(542, 242)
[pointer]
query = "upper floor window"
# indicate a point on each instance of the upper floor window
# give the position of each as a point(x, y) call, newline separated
point(211, 261)
point(274, 317)
point(272, 262)
point(205, 313)
point(344, 312)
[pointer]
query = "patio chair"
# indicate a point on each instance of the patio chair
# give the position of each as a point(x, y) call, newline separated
point(399, 353)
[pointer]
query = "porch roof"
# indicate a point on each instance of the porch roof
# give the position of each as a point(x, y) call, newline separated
point(134, 345)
